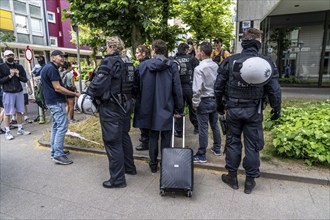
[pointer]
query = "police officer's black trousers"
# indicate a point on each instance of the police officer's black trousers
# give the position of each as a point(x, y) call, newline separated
point(127, 145)
point(112, 138)
point(187, 94)
point(248, 121)
point(144, 135)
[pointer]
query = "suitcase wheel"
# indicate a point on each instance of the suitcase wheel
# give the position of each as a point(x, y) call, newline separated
point(189, 193)
point(162, 192)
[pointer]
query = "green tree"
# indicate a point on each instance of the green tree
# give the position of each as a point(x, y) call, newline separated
point(135, 21)
point(207, 19)
point(6, 37)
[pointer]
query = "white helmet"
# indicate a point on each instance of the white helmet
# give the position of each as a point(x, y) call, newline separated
point(253, 71)
point(86, 105)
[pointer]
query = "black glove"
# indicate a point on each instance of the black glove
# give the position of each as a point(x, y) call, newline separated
point(276, 114)
point(221, 109)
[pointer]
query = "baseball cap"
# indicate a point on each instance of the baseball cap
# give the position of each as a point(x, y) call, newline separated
point(56, 53)
point(8, 52)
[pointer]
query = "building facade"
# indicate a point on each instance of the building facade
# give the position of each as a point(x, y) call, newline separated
point(296, 35)
point(37, 24)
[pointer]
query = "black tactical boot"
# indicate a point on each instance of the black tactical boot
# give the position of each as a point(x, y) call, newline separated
point(249, 184)
point(142, 146)
point(230, 179)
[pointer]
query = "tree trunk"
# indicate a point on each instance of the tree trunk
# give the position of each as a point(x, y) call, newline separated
point(137, 38)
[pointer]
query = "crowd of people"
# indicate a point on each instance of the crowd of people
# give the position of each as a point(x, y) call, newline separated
point(208, 81)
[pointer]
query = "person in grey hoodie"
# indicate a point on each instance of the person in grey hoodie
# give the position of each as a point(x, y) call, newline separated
point(159, 98)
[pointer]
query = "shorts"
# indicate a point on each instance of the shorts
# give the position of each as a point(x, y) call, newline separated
point(13, 102)
point(26, 99)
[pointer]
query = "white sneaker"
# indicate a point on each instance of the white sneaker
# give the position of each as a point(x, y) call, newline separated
point(9, 136)
point(23, 132)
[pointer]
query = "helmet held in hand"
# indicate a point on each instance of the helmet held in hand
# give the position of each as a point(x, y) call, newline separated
point(86, 105)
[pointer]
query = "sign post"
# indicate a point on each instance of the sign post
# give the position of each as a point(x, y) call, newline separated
point(29, 56)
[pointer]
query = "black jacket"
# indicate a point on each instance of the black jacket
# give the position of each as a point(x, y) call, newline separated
point(12, 85)
point(159, 96)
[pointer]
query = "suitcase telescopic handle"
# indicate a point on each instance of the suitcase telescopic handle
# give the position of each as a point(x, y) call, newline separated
point(183, 130)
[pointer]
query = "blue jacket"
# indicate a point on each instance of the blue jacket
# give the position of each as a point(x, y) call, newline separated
point(159, 94)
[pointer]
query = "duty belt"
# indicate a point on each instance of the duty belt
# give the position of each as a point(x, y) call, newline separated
point(241, 103)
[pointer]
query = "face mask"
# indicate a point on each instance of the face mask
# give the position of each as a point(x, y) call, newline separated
point(41, 62)
point(16, 61)
point(10, 59)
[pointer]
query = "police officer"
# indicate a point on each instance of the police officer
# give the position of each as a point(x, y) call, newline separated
point(187, 64)
point(244, 81)
point(111, 88)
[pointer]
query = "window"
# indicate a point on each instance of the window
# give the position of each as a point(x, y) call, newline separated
point(36, 26)
point(4, 4)
point(38, 40)
point(51, 17)
point(21, 24)
point(35, 11)
point(23, 38)
point(293, 37)
point(53, 41)
point(35, 2)
point(20, 7)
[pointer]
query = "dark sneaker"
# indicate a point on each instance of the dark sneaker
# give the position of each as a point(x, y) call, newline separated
point(216, 152)
point(196, 131)
point(66, 153)
point(178, 134)
point(62, 160)
point(249, 184)
point(199, 158)
point(23, 132)
point(230, 180)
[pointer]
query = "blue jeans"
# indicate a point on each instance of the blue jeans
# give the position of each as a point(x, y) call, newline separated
point(59, 128)
point(206, 112)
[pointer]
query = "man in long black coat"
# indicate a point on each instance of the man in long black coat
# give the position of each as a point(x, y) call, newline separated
point(159, 98)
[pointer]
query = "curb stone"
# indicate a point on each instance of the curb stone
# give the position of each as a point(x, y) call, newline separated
point(210, 166)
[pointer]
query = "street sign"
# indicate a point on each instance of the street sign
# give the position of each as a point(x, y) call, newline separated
point(28, 54)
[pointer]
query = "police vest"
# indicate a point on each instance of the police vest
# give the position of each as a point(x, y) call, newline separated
point(123, 84)
point(239, 89)
point(185, 68)
point(114, 76)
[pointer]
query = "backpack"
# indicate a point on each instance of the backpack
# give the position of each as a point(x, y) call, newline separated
point(185, 69)
point(38, 93)
point(220, 57)
point(39, 97)
point(65, 82)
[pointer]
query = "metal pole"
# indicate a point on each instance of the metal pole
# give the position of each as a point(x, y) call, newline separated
point(78, 58)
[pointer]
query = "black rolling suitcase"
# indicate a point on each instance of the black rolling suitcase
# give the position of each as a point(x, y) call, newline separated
point(177, 168)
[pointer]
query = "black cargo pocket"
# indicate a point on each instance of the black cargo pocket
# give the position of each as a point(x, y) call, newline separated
point(258, 139)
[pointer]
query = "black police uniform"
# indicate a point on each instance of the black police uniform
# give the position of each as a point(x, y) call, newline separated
point(187, 64)
point(113, 97)
point(244, 111)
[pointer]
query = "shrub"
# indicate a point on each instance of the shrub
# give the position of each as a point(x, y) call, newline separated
point(303, 133)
